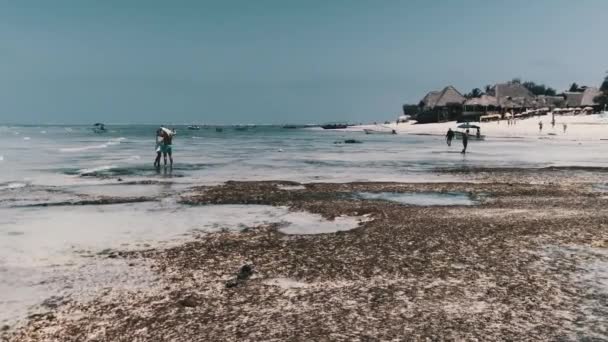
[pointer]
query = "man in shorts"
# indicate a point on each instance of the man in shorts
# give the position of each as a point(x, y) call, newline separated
point(166, 148)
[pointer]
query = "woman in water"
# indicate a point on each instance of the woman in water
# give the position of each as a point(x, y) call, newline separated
point(159, 142)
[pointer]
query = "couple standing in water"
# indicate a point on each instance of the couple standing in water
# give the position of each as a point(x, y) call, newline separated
point(164, 140)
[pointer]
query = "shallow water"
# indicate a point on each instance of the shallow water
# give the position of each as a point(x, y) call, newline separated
point(74, 155)
point(420, 198)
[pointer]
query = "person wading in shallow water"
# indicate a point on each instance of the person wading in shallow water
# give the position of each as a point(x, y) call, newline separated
point(449, 136)
point(159, 142)
point(465, 141)
point(166, 147)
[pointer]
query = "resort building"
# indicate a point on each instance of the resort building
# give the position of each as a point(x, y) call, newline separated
point(438, 106)
point(583, 99)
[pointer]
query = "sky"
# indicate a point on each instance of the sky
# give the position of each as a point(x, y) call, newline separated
point(280, 61)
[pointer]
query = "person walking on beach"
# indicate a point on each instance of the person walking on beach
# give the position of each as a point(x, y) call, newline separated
point(449, 136)
point(159, 142)
point(565, 127)
point(540, 126)
point(465, 141)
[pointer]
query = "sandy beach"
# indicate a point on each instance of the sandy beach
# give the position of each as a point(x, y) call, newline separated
point(524, 258)
point(579, 127)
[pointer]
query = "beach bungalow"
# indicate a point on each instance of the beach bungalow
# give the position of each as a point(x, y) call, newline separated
point(583, 99)
point(484, 106)
point(512, 96)
point(549, 102)
point(438, 106)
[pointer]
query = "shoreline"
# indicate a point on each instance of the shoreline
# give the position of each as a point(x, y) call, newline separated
point(591, 127)
point(519, 263)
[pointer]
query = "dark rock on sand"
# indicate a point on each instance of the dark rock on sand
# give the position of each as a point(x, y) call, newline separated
point(245, 272)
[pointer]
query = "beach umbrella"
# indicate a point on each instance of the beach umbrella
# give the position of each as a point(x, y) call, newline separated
point(467, 125)
point(588, 108)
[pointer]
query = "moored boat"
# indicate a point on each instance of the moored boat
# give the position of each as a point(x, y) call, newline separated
point(334, 126)
point(376, 131)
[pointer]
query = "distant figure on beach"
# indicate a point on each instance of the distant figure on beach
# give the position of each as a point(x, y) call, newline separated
point(565, 127)
point(465, 141)
point(478, 135)
point(553, 122)
point(159, 142)
point(540, 126)
point(449, 136)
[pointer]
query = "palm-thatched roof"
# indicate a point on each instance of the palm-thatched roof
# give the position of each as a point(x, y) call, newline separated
point(543, 101)
point(584, 99)
point(512, 94)
point(483, 100)
point(589, 96)
point(430, 99)
point(449, 95)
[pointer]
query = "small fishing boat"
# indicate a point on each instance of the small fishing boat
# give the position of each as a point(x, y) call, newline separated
point(472, 136)
point(334, 126)
point(194, 127)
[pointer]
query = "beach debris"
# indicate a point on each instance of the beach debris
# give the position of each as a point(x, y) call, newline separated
point(245, 272)
point(349, 141)
point(53, 302)
point(188, 302)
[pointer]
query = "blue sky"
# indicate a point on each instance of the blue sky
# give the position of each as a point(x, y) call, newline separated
point(271, 61)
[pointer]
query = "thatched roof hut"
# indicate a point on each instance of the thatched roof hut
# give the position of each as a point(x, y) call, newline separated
point(448, 96)
point(582, 99)
point(482, 101)
point(543, 101)
point(512, 95)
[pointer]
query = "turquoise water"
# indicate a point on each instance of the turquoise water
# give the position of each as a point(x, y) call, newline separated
point(71, 155)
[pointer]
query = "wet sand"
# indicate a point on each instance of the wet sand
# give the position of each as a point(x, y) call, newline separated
point(527, 261)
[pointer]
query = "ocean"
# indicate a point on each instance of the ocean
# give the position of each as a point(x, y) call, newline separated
point(48, 245)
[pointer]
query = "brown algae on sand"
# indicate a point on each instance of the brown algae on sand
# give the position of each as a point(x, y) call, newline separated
point(494, 270)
